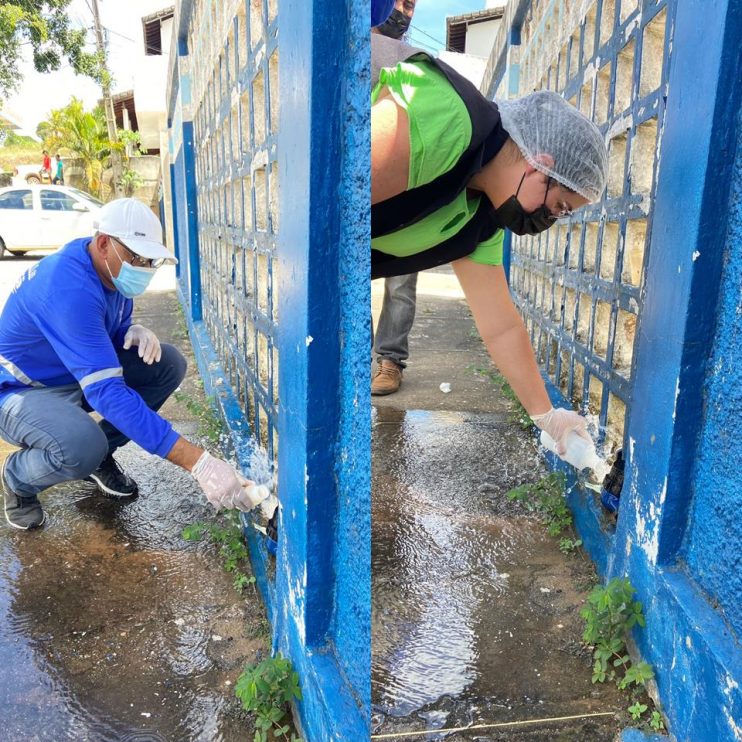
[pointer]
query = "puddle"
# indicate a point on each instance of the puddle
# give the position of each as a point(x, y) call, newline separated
point(114, 628)
point(475, 610)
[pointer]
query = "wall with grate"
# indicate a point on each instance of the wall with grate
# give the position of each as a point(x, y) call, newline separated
point(633, 312)
point(579, 285)
point(270, 183)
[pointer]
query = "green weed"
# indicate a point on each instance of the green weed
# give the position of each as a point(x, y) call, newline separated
point(610, 614)
point(546, 497)
point(264, 690)
point(210, 425)
point(518, 414)
point(655, 722)
point(568, 545)
point(232, 547)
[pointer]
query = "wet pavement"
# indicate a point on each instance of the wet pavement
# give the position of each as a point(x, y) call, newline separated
point(114, 627)
point(475, 610)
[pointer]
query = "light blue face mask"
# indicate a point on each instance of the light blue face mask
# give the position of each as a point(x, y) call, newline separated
point(131, 280)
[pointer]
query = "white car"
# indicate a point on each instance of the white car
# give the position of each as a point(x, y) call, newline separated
point(44, 217)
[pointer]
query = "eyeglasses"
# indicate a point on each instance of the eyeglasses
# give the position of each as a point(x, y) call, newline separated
point(137, 260)
point(563, 211)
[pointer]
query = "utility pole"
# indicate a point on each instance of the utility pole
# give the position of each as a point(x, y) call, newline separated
point(108, 104)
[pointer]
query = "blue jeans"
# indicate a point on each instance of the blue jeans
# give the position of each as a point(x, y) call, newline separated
point(59, 441)
point(396, 318)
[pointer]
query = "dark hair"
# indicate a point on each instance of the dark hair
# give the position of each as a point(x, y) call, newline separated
point(57, 155)
point(44, 152)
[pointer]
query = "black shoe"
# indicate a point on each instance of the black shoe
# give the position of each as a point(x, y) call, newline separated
point(23, 513)
point(111, 480)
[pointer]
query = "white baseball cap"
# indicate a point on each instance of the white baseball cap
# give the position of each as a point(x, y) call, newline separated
point(136, 227)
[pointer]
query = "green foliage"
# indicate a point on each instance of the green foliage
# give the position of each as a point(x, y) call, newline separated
point(45, 26)
point(546, 497)
point(242, 581)
point(130, 181)
point(568, 545)
point(637, 710)
point(132, 139)
point(232, 547)
point(655, 722)
point(81, 133)
point(610, 614)
point(9, 138)
point(194, 532)
point(264, 690)
point(636, 674)
point(518, 414)
point(209, 423)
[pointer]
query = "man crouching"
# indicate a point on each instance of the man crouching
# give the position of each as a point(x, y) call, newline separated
point(68, 347)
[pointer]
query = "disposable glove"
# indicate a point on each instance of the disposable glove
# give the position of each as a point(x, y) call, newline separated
point(149, 345)
point(559, 423)
point(224, 487)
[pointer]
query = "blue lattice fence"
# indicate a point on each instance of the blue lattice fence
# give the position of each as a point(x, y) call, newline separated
point(273, 323)
point(629, 311)
point(579, 285)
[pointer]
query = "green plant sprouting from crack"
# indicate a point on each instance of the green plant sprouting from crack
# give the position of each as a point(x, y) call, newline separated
point(546, 497)
point(610, 614)
point(210, 425)
point(232, 547)
point(518, 413)
point(265, 690)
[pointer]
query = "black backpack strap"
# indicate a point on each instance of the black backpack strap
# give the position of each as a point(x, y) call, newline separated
point(479, 228)
point(487, 139)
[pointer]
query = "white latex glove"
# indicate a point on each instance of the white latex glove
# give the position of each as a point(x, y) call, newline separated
point(149, 345)
point(558, 423)
point(224, 487)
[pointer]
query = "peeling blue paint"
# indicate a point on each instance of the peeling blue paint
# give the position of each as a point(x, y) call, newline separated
point(679, 533)
point(318, 595)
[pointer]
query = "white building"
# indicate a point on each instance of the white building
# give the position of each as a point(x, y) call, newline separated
point(469, 40)
point(142, 108)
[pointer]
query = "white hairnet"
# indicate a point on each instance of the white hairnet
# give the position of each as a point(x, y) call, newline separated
point(545, 123)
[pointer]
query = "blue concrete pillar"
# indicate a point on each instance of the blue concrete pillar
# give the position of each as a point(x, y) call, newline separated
point(687, 639)
point(323, 590)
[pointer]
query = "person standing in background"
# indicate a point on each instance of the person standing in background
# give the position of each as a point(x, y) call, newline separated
point(391, 340)
point(59, 176)
point(46, 168)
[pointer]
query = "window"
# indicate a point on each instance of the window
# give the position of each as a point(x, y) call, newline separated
point(56, 201)
point(156, 31)
point(16, 200)
point(85, 196)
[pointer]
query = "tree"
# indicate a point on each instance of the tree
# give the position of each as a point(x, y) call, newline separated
point(82, 133)
point(44, 25)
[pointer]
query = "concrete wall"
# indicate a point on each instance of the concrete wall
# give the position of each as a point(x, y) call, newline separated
point(480, 37)
point(714, 526)
point(150, 77)
point(635, 312)
point(270, 184)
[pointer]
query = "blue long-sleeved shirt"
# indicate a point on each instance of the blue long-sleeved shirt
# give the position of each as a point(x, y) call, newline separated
point(61, 326)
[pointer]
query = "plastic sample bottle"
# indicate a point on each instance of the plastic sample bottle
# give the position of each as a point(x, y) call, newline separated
point(580, 453)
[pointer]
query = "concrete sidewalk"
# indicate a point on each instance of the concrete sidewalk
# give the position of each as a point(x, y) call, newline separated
point(475, 610)
point(114, 627)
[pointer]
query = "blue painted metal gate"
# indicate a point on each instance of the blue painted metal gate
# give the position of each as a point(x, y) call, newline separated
point(629, 308)
point(270, 183)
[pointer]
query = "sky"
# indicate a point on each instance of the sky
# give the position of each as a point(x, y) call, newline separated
point(429, 22)
point(38, 94)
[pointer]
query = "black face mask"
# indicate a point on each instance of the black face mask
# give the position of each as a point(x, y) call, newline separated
point(513, 216)
point(396, 26)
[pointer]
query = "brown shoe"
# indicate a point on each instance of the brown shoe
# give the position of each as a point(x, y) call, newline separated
point(388, 378)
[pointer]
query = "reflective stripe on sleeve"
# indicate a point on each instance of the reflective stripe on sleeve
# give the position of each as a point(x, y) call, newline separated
point(106, 373)
point(12, 369)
